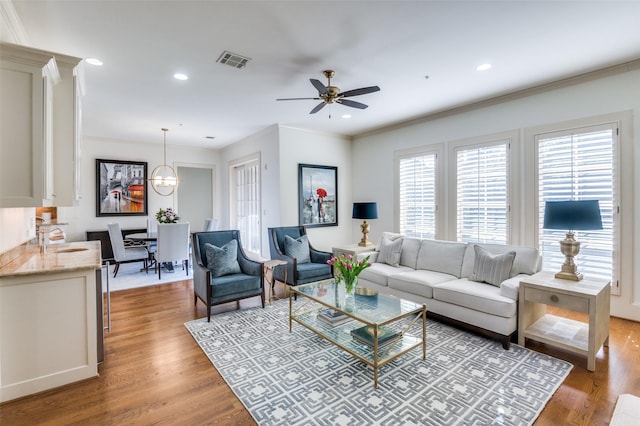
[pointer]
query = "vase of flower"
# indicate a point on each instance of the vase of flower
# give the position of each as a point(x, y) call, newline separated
point(167, 216)
point(347, 269)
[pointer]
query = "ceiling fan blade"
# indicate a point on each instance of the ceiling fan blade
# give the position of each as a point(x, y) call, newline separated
point(297, 99)
point(352, 104)
point(318, 107)
point(319, 86)
point(360, 91)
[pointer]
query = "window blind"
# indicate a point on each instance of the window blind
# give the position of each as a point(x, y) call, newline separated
point(247, 204)
point(417, 195)
point(579, 165)
point(482, 193)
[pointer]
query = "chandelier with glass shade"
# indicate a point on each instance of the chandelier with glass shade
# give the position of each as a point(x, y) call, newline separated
point(164, 179)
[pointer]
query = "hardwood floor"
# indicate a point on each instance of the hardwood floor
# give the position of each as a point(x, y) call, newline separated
point(155, 373)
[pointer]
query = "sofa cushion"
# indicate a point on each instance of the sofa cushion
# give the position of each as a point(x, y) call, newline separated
point(410, 249)
point(441, 256)
point(391, 236)
point(390, 251)
point(298, 248)
point(474, 295)
point(419, 282)
point(379, 273)
point(491, 268)
point(222, 260)
point(527, 261)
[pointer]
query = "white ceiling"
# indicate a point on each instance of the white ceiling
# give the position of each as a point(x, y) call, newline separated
point(392, 44)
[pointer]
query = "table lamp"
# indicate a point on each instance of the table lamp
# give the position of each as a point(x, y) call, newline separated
point(365, 211)
point(571, 215)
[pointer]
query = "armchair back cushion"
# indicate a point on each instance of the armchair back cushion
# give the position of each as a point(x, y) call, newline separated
point(222, 260)
point(298, 248)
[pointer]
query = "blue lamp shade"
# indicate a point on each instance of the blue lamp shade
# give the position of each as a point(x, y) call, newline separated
point(365, 211)
point(572, 215)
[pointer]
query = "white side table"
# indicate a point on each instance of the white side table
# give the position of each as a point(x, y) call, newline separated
point(353, 250)
point(588, 296)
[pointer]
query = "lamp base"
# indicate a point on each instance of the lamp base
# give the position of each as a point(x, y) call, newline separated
point(364, 242)
point(570, 248)
point(569, 276)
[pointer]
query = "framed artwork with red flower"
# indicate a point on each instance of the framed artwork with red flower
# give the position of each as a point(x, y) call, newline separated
point(318, 195)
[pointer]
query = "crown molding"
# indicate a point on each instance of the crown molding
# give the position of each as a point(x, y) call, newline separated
point(13, 25)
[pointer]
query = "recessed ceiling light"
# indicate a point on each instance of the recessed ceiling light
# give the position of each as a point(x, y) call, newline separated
point(346, 115)
point(179, 76)
point(94, 61)
point(483, 67)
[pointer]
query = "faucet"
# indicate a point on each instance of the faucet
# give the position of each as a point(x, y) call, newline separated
point(43, 239)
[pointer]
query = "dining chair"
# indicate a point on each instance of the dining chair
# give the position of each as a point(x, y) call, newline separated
point(210, 224)
point(123, 254)
point(152, 246)
point(173, 244)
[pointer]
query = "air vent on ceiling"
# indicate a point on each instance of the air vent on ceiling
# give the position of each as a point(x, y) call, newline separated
point(233, 59)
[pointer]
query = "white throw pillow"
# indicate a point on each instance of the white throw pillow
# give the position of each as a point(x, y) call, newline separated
point(390, 251)
point(298, 248)
point(491, 269)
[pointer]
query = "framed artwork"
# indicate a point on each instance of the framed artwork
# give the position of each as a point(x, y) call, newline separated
point(121, 188)
point(318, 195)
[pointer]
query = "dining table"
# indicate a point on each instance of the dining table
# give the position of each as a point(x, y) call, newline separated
point(149, 237)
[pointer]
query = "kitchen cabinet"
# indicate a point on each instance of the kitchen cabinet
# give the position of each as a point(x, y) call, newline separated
point(39, 127)
point(50, 319)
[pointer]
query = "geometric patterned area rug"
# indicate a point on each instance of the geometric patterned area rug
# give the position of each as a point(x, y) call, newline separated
point(298, 378)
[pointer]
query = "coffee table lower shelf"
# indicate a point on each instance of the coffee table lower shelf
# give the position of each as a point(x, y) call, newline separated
point(340, 336)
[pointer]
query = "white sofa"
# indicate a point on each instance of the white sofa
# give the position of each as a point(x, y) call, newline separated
point(437, 274)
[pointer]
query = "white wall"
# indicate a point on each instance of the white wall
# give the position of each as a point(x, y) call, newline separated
point(83, 217)
point(305, 147)
point(17, 226)
point(373, 155)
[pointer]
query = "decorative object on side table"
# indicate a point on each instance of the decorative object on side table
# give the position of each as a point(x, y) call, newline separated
point(365, 211)
point(571, 215)
point(349, 268)
point(167, 216)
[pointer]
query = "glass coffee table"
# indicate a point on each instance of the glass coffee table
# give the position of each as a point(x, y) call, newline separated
point(372, 326)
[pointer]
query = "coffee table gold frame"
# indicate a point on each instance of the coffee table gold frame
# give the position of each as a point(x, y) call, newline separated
point(315, 298)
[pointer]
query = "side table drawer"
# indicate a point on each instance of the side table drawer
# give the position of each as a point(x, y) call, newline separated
point(551, 298)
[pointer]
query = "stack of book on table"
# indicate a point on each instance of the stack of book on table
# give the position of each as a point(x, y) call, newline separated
point(333, 317)
point(364, 335)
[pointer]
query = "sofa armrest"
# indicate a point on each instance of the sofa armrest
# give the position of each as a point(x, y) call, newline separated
point(373, 256)
point(201, 280)
point(510, 287)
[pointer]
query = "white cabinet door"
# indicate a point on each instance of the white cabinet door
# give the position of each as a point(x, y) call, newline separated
point(39, 136)
point(22, 156)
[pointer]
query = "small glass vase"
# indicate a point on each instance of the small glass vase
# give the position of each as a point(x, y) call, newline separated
point(350, 284)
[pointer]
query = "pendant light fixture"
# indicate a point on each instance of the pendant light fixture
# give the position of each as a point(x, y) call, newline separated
point(164, 179)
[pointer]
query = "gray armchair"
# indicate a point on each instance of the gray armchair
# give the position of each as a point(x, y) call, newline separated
point(297, 273)
point(219, 281)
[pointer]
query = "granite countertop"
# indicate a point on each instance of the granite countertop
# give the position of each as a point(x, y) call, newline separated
point(65, 257)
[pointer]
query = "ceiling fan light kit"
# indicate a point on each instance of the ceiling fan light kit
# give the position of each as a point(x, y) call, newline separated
point(331, 94)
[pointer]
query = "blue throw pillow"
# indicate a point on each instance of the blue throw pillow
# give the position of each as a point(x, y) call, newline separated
point(298, 248)
point(223, 260)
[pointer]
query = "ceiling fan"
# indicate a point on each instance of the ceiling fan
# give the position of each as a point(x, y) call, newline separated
point(331, 94)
